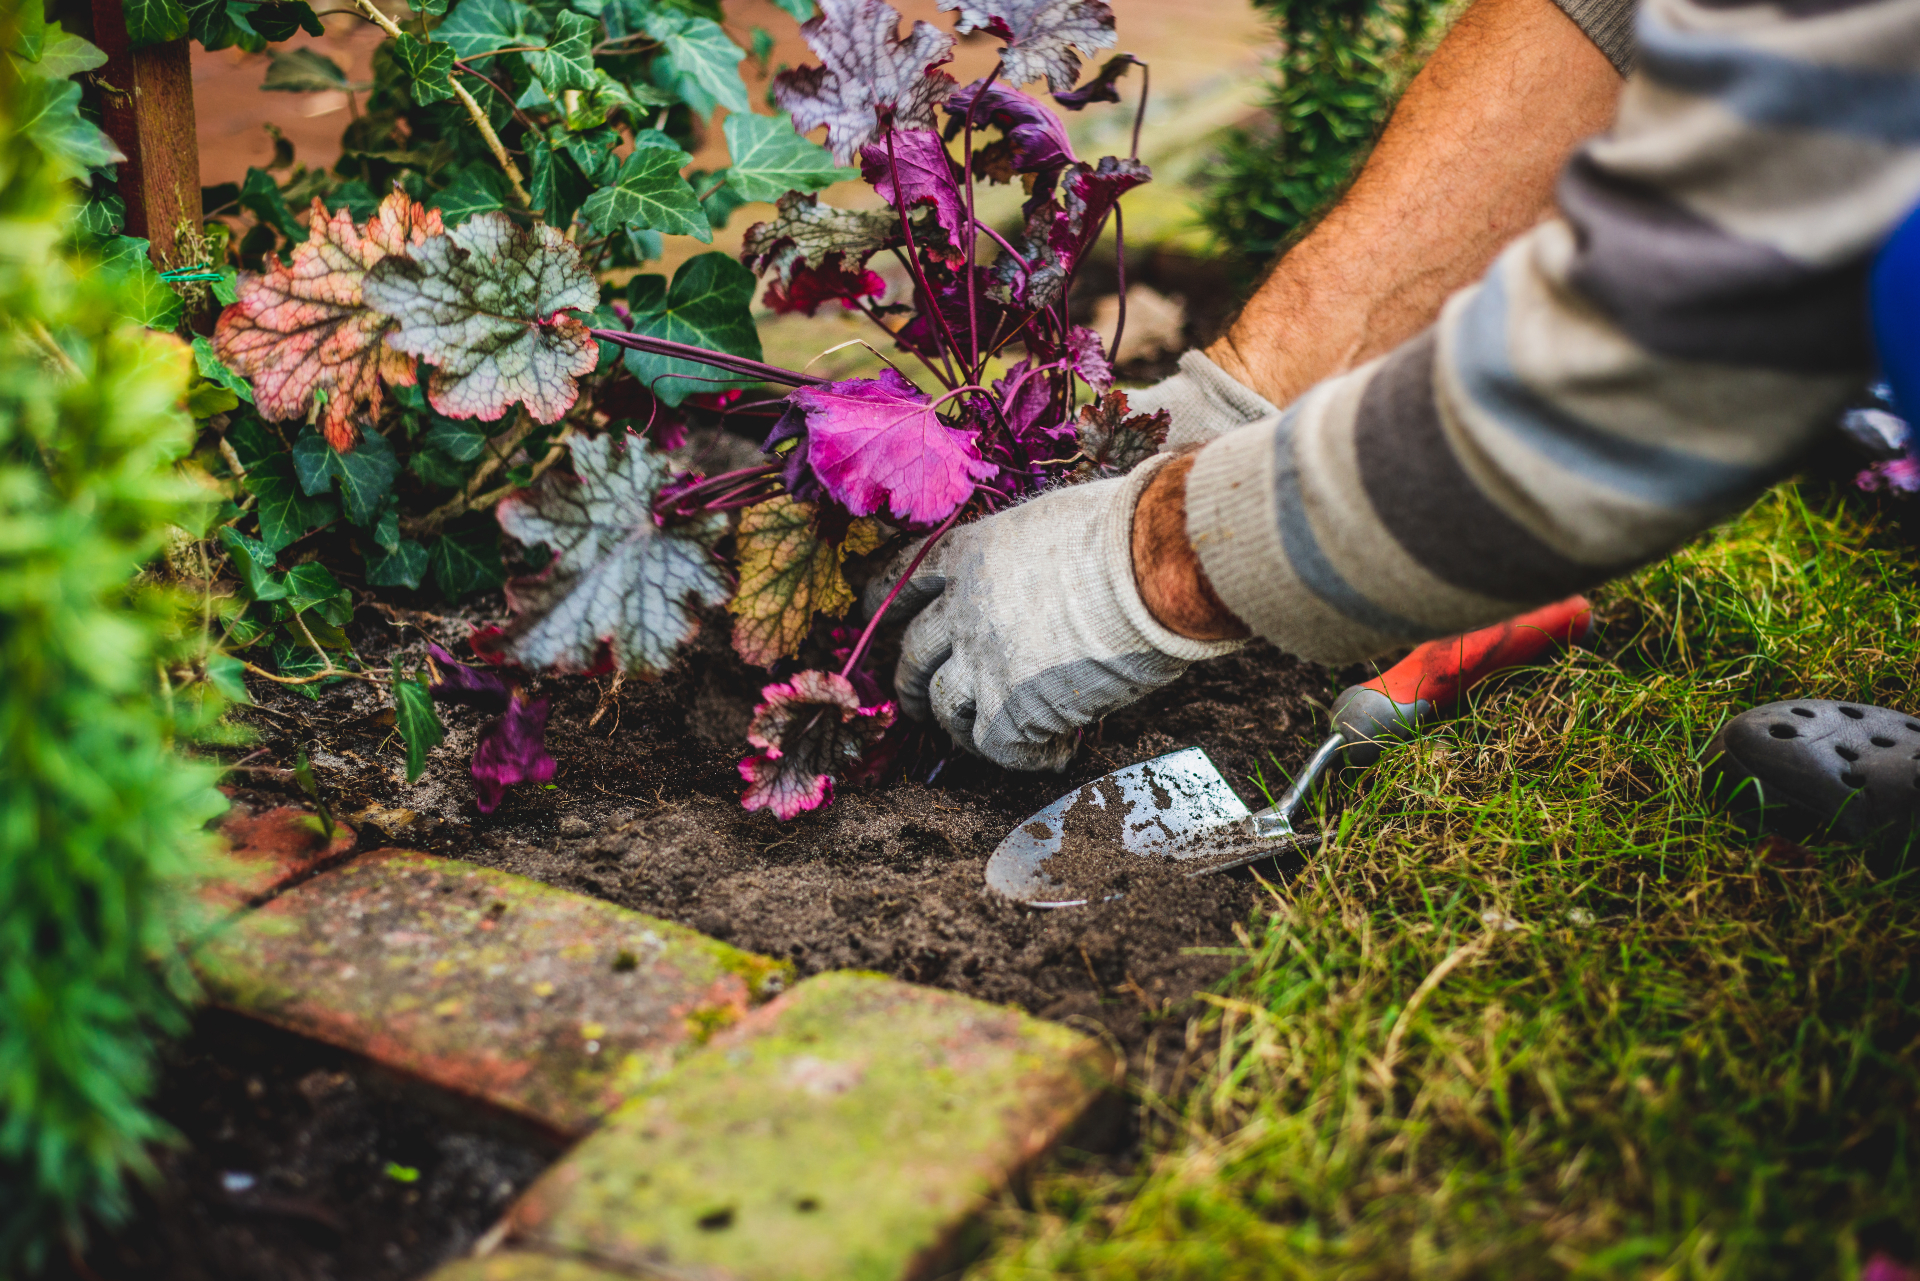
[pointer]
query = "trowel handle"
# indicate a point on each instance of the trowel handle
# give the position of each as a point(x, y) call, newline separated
point(1432, 681)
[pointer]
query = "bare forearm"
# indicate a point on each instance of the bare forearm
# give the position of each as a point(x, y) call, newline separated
point(1466, 164)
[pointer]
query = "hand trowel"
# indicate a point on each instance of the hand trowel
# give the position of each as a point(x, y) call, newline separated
point(1178, 806)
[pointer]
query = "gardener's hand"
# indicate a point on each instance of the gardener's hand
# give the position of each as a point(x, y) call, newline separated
point(1203, 401)
point(1028, 625)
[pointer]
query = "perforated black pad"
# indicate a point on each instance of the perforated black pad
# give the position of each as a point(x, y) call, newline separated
point(1810, 763)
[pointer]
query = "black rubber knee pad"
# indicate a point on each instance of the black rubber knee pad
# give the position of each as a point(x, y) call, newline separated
point(1810, 766)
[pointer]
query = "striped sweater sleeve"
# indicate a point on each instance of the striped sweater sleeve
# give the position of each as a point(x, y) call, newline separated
point(1627, 373)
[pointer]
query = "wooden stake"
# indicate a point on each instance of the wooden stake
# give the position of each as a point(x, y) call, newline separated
point(147, 108)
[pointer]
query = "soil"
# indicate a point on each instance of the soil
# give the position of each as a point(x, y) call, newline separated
point(304, 1163)
point(644, 811)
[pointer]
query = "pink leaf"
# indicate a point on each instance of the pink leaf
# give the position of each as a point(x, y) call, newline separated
point(1039, 35)
point(918, 172)
point(875, 441)
point(511, 750)
point(1898, 475)
point(1089, 352)
point(871, 77)
point(807, 728)
point(1057, 237)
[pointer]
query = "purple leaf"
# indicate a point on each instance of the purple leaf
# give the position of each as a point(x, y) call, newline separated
point(807, 728)
point(512, 749)
point(808, 286)
point(871, 78)
point(1103, 87)
point(1028, 401)
point(923, 333)
point(468, 686)
point(1057, 238)
point(1896, 475)
point(1114, 440)
point(878, 441)
point(1089, 352)
point(918, 172)
point(1039, 35)
point(1036, 138)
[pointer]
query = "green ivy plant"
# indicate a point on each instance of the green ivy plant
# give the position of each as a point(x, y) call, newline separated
point(101, 820)
point(1342, 65)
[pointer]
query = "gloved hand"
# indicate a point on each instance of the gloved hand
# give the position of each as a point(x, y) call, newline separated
point(1027, 625)
point(1203, 400)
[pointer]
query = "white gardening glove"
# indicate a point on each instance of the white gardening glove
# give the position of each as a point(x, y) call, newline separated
point(1027, 625)
point(1203, 400)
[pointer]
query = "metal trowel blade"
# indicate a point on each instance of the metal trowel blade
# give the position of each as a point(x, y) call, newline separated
point(1172, 803)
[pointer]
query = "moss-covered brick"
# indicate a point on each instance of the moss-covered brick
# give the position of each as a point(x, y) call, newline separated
point(270, 849)
point(516, 1266)
point(850, 1130)
point(547, 1003)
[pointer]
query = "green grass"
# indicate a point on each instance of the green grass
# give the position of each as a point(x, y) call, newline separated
point(1541, 1011)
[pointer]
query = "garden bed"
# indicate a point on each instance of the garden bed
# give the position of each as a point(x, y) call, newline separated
point(643, 811)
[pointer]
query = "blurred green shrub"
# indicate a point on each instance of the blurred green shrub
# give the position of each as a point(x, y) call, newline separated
point(101, 820)
point(1343, 64)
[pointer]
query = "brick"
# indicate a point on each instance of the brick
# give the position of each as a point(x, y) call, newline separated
point(849, 1131)
point(516, 1266)
point(270, 850)
point(552, 1005)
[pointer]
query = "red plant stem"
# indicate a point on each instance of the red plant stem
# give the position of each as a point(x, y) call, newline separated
point(702, 356)
point(913, 250)
point(1140, 113)
point(919, 355)
point(873, 624)
point(972, 229)
point(1001, 240)
point(1120, 276)
point(950, 378)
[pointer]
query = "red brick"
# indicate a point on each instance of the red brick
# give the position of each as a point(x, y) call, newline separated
point(271, 849)
point(547, 1003)
point(850, 1131)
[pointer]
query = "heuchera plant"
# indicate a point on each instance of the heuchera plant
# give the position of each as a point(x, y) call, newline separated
point(1000, 393)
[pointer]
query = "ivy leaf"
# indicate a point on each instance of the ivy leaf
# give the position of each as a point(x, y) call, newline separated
point(311, 586)
point(806, 231)
point(801, 10)
point(253, 561)
point(102, 217)
point(462, 442)
point(260, 196)
point(867, 70)
point(50, 117)
point(699, 63)
point(1040, 35)
point(911, 168)
point(305, 331)
point(285, 508)
point(482, 26)
point(414, 717)
point(557, 187)
point(151, 22)
point(466, 558)
point(306, 71)
point(705, 307)
point(789, 571)
point(649, 193)
point(875, 442)
point(356, 198)
point(365, 475)
point(404, 566)
point(567, 61)
point(477, 189)
point(214, 370)
point(430, 63)
point(807, 728)
point(768, 158)
point(617, 579)
point(482, 303)
point(63, 56)
point(278, 21)
point(144, 296)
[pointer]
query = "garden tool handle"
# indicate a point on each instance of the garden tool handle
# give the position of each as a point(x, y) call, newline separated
point(1432, 681)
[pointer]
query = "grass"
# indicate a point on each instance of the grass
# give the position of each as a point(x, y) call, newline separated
point(1542, 1011)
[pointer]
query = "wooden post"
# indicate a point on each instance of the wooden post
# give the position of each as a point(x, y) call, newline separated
point(147, 108)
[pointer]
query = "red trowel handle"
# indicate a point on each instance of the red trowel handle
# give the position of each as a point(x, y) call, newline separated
point(1432, 680)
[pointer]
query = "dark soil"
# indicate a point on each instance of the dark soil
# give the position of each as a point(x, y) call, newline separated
point(644, 812)
point(305, 1163)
